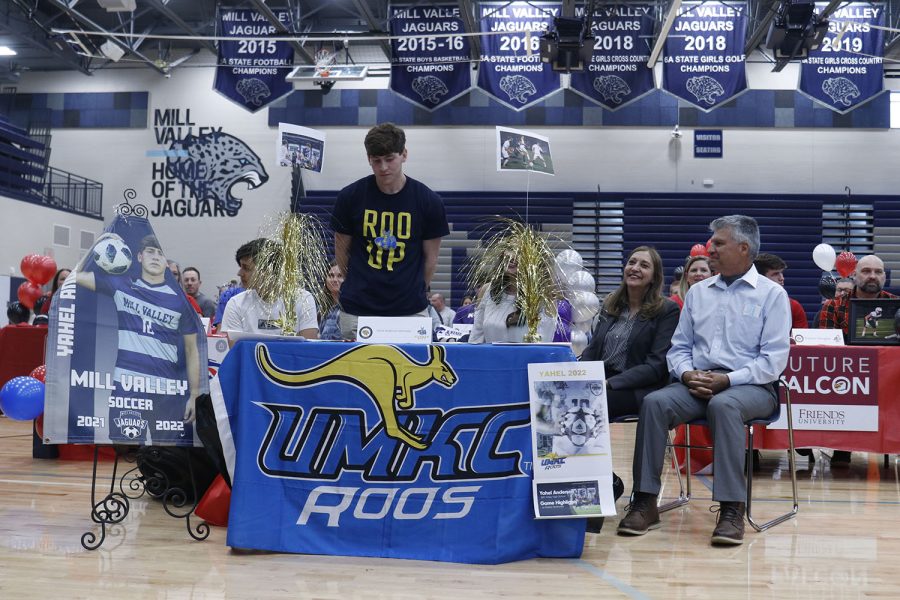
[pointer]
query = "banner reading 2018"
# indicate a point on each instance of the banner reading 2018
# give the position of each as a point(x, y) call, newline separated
point(617, 74)
point(844, 73)
point(511, 69)
point(429, 71)
point(252, 69)
point(704, 62)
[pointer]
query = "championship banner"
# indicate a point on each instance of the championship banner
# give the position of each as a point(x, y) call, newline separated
point(511, 70)
point(847, 70)
point(833, 388)
point(126, 352)
point(401, 451)
point(704, 54)
point(617, 74)
point(429, 71)
point(570, 436)
point(252, 69)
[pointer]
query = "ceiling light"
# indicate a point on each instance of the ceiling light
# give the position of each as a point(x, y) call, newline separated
point(7, 51)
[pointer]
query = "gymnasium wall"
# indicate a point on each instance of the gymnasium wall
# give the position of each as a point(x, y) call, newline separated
point(127, 153)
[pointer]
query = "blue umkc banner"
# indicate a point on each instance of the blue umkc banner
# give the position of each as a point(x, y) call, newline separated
point(704, 53)
point(252, 69)
point(429, 71)
point(411, 451)
point(126, 352)
point(511, 69)
point(617, 74)
point(847, 72)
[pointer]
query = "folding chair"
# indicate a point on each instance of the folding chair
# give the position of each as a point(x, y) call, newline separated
point(685, 492)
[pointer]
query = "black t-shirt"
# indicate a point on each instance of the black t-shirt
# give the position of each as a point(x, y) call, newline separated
point(386, 268)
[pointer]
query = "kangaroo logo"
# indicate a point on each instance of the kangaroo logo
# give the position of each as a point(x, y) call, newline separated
point(386, 374)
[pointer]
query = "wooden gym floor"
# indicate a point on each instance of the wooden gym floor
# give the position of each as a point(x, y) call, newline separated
point(844, 544)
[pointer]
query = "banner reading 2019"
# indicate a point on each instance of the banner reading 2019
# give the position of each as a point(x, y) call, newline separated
point(252, 69)
point(429, 71)
point(704, 62)
point(511, 69)
point(844, 73)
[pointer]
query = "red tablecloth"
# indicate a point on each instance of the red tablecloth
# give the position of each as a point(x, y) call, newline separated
point(21, 350)
point(879, 366)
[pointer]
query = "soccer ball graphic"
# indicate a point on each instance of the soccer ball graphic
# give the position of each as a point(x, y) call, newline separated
point(131, 432)
point(113, 256)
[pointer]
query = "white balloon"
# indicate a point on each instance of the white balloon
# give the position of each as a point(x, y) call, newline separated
point(569, 261)
point(584, 306)
point(581, 281)
point(584, 326)
point(579, 342)
point(824, 257)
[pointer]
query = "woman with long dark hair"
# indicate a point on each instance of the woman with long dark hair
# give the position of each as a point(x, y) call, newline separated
point(633, 334)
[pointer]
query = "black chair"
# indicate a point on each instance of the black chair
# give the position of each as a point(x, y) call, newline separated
point(685, 492)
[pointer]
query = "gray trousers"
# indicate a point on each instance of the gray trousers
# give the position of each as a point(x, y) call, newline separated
point(726, 412)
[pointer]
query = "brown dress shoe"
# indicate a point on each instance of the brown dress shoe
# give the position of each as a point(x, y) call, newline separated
point(729, 529)
point(642, 515)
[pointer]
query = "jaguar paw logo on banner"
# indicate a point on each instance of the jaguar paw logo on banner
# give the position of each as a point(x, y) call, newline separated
point(359, 412)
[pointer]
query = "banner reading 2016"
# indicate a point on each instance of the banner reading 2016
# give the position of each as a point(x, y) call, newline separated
point(251, 71)
point(429, 71)
point(617, 74)
point(511, 69)
point(704, 62)
point(844, 73)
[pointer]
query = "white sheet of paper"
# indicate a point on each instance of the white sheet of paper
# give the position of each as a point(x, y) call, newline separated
point(394, 330)
point(817, 337)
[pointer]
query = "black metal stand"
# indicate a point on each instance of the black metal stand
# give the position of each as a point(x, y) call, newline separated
point(112, 509)
point(134, 483)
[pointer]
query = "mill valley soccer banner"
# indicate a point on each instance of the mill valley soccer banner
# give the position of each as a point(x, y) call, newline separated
point(126, 352)
point(429, 71)
point(704, 53)
point(618, 74)
point(847, 72)
point(409, 451)
point(252, 69)
point(511, 69)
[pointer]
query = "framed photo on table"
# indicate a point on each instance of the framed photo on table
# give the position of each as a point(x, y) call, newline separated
point(875, 322)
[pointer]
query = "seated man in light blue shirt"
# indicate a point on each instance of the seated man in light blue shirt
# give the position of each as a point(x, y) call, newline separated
point(731, 344)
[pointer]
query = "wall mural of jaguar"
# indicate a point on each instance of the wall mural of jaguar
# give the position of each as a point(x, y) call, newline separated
point(211, 163)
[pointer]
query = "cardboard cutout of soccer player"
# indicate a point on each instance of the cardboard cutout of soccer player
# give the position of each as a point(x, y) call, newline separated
point(125, 347)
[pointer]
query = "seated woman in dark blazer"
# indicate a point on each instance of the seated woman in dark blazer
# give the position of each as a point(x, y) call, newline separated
point(633, 334)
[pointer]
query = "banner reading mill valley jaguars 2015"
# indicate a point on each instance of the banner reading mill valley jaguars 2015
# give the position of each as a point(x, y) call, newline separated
point(126, 352)
point(704, 53)
point(617, 74)
point(251, 72)
point(511, 70)
point(429, 71)
point(847, 72)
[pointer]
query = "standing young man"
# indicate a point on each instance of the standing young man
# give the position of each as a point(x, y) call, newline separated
point(387, 235)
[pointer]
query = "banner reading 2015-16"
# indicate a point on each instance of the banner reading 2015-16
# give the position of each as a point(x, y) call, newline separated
point(847, 72)
point(704, 53)
point(511, 70)
point(618, 74)
point(429, 71)
point(126, 352)
point(252, 69)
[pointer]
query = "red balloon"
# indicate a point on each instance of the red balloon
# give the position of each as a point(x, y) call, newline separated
point(845, 263)
point(39, 373)
point(699, 250)
point(44, 269)
point(29, 293)
point(28, 266)
point(708, 244)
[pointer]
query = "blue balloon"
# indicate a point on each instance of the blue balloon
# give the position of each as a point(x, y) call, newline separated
point(22, 398)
